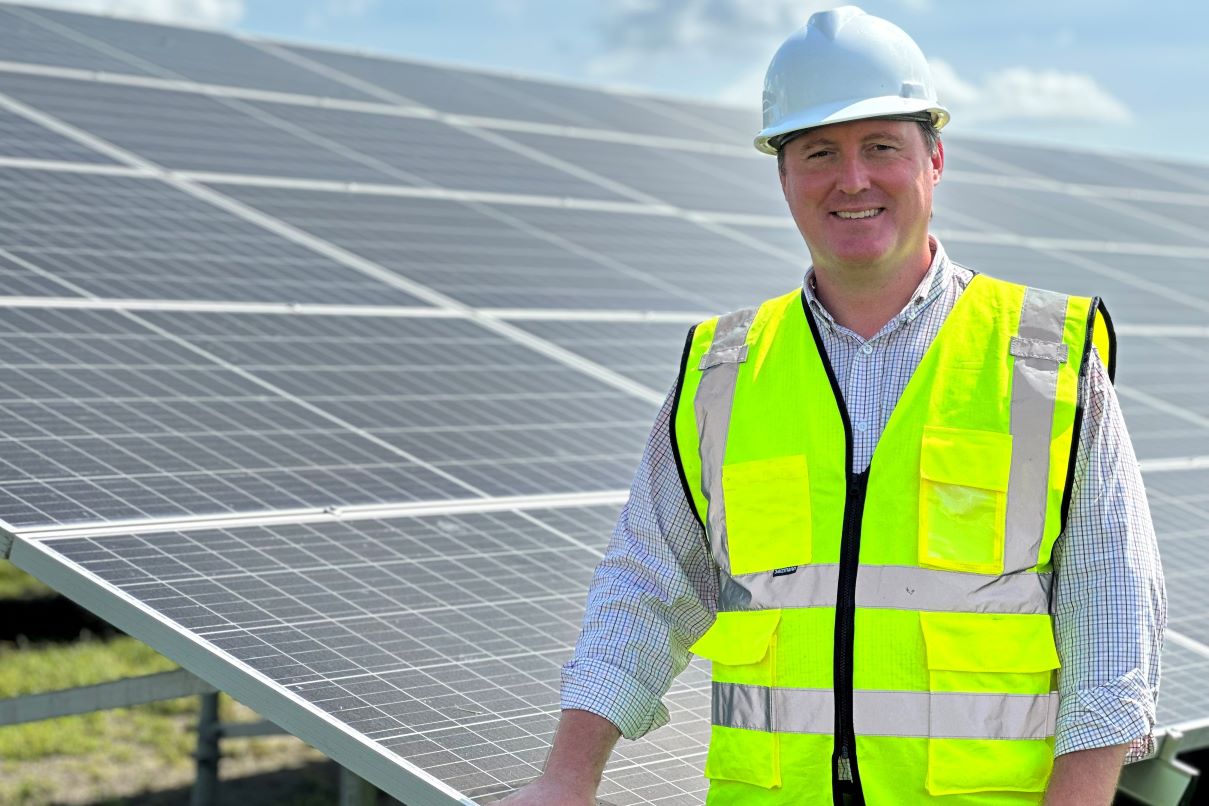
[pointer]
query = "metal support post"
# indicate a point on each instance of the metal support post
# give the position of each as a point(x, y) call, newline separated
point(356, 791)
point(209, 731)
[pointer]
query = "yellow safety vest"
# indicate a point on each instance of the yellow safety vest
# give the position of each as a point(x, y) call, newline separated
point(888, 628)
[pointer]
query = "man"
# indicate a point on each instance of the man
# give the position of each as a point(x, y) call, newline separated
point(911, 592)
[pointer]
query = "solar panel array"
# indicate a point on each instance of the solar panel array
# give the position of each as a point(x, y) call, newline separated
point(325, 373)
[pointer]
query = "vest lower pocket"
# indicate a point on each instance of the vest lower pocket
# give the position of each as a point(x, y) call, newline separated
point(743, 648)
point(991, 705)
point(963, 499)
point(962, 766)
point(748, 756)
point(767, 513)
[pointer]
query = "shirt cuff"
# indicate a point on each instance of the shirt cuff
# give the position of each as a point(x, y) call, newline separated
point(1119, 712)
point(611, 693)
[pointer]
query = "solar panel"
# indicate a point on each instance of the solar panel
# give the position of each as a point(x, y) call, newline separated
point(127, 237)
point(648, 352)
point(1183, 688)
point(450, 90)
point(460, 400)
point(494, 95)
point(436, 153)
point(23, 40)
point(118, 416)
point(23, 139)
point(1191, 217)
point(106, 419)
point(1068, 165)
point(436, 638)
point(707, 268)
point(185, 131)
point(1126, 282)
point(357, 473)
point(1040, 214)
point(690, 181)
point(480, 255)
point(740, 124)
point(591, 108)
point(198, 55)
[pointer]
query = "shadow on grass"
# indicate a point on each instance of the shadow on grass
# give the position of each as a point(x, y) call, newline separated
point(50, 619)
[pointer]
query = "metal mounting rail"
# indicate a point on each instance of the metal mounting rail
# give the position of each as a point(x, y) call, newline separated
point(455, 506)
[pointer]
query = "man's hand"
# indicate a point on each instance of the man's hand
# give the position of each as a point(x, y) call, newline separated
point(1086, 777)
point(582, 745)
point(543, 792)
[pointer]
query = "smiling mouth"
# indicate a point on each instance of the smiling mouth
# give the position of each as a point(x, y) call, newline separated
point(872, 212)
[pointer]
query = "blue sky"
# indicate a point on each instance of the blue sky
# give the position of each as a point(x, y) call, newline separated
point(1108, 74)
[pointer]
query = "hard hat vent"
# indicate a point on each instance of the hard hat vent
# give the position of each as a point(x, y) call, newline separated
point(830, 22)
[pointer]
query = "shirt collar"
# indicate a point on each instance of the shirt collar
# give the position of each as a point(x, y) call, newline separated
point(933, 284)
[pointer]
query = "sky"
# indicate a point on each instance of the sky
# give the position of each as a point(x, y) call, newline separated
point(1125, 77)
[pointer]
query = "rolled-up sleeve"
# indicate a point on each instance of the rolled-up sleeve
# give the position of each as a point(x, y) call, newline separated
point(1110, 608)
point(652, 596)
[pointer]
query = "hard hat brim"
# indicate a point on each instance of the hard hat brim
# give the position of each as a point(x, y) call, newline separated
point(844, 112)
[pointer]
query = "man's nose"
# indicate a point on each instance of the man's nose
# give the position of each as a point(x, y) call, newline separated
point(854, 175)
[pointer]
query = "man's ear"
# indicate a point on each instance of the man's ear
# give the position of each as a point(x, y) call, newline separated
point(938, 162)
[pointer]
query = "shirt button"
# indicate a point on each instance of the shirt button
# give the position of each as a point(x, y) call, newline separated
point(862, 426)
point(866, 348)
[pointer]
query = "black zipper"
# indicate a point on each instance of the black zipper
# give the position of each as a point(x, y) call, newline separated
point(845, 630)
point(844, 781)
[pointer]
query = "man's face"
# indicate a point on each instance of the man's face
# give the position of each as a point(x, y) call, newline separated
point(861, 193)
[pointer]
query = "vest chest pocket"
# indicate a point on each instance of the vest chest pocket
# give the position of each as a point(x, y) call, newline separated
point(767, 513)
point(963, 499)
point(991, 709)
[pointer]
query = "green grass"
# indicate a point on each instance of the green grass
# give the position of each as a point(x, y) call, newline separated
point(16, 584)
point(108, 756)
point(30, 668)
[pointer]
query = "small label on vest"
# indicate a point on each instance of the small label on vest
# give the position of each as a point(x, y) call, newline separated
point(784, 572)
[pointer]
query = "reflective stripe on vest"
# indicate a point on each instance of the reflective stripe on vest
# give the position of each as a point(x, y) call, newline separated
point(891, 586)
point(1037, 351)
point(712, 404)
point(937, 714)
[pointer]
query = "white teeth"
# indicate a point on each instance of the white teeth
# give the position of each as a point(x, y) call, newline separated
point(861, 214)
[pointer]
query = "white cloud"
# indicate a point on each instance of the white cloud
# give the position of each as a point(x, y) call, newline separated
point(1017, 93)
point(671, 24)
point(635, 31)
point(653, 26)
point(640, 38)
point(209, 13)
point(953, 90)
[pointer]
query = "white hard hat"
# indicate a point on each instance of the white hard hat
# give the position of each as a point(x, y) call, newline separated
point(845, 65)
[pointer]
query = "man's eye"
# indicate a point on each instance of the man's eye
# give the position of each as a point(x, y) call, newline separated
point(814, 154)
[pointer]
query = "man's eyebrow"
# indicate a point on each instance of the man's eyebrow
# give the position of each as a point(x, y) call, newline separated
point(882, 136)
point(815, 142)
